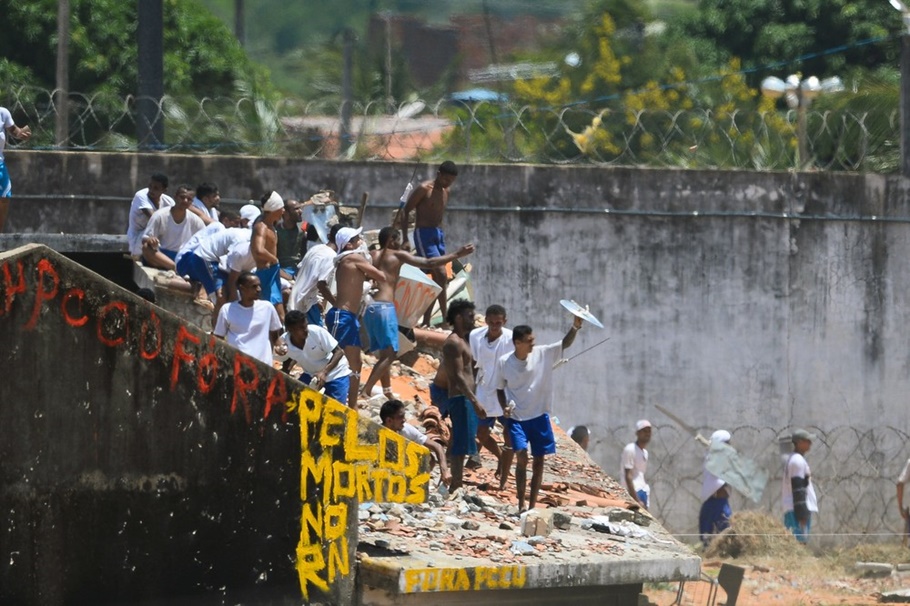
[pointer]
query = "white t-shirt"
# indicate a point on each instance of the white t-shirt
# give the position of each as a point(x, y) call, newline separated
point(211, 212)
point(486, 355)
point(529, 383)
point(636, 459)
point(248, 328)
point(318, 264)
point(216, 244)
point(413, 434)
point(316, 353)
point(6, 119)
point(172, 235)
point(239, 258)
point(797, 467)
point(710, 484)
point(139, 220)
point(905, 474)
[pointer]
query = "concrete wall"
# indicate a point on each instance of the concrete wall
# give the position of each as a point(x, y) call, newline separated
point(146, 461)
point(752, 301)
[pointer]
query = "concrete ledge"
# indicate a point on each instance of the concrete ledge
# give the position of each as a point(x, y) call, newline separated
point(68, 243)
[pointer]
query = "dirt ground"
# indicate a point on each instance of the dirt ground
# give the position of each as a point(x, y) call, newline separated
point(780, 571)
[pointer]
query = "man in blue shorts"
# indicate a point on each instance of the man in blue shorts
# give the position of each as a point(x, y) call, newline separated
point(352, 268)
point(264, 247)
point(525, 378)
point(6, 187)
point(380, 317)
point(429, 201)
point(464, 408)
point(318, 355)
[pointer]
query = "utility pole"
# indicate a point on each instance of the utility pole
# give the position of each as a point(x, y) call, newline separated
point(905, 100)
point(150, 37)
point(62, 118)
point(239, 22)
point(347, 90)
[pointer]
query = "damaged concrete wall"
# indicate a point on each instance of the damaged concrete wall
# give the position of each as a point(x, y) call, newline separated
point(753, 301)
point(145, 460)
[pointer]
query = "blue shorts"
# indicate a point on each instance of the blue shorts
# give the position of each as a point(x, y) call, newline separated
point(170, 254)
point(200, 270)
point(337, 389)
point(642, 496)
point(381, 322)
point(439, 397)
point(488, 421)
point(794, 527)
point(430, 242)
point(344, 326)
point(271, 286)
point(314, 315)
point(290, 270)
point(6, 186)
point(537, 431)
point(464, 426)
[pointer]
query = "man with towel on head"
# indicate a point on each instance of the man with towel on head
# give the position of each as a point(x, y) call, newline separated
point(352, 268)
point(715, 498)
point(264, 246)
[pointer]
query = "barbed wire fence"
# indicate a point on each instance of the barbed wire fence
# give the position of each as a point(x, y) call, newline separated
point(847, 140)
point(854, 471)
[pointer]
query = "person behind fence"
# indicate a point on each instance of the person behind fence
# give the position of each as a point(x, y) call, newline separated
point(429, 201)
point(392, 416)
point(904, 511)
point(634, 464)
point(318, 355)
point(797, 493)
point(715, 512)
point(6, 186)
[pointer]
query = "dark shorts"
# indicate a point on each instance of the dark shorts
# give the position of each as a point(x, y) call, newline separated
point(271, 285)
point(344, 326)
point(314, 315)
point(464, 426)
point(439, 397)
point(488, 421)
point(537, 432)
point(200, 270)
point(713, 517)
point(429, 242)
point(381, 322)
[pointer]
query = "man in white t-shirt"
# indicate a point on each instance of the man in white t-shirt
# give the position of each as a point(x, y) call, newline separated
point(797, 493)
point(205, 204)
point(9, 128)
point(250, 324)
point(905, 512)
point(145, 202)
point(314, 279)
point(198, 259)
point(634, 464)
point(318, 355)
point(392, 416)
point(525, 378)
point(488, 344)
point(168, 230)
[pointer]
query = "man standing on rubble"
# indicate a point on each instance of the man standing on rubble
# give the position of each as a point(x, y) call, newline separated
point(797, 493)
point(715, 512)
point(488, 344)
point(380, 317)
point(429, 201)
point(352, 268)
point(525, 378)
point(462, 405)
point(634, 464)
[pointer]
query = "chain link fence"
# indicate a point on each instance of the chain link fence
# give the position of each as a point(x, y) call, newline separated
point(854, 471)
point(848, 140)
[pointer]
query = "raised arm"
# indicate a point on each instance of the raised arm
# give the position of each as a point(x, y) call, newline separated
point(368, 270)
point(570, 336)
point(422, 263)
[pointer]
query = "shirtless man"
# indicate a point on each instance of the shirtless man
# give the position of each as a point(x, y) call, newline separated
point(264, 246)
point(352, 268)
point(429, 200)
point(463, 406)
point(380, 317)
